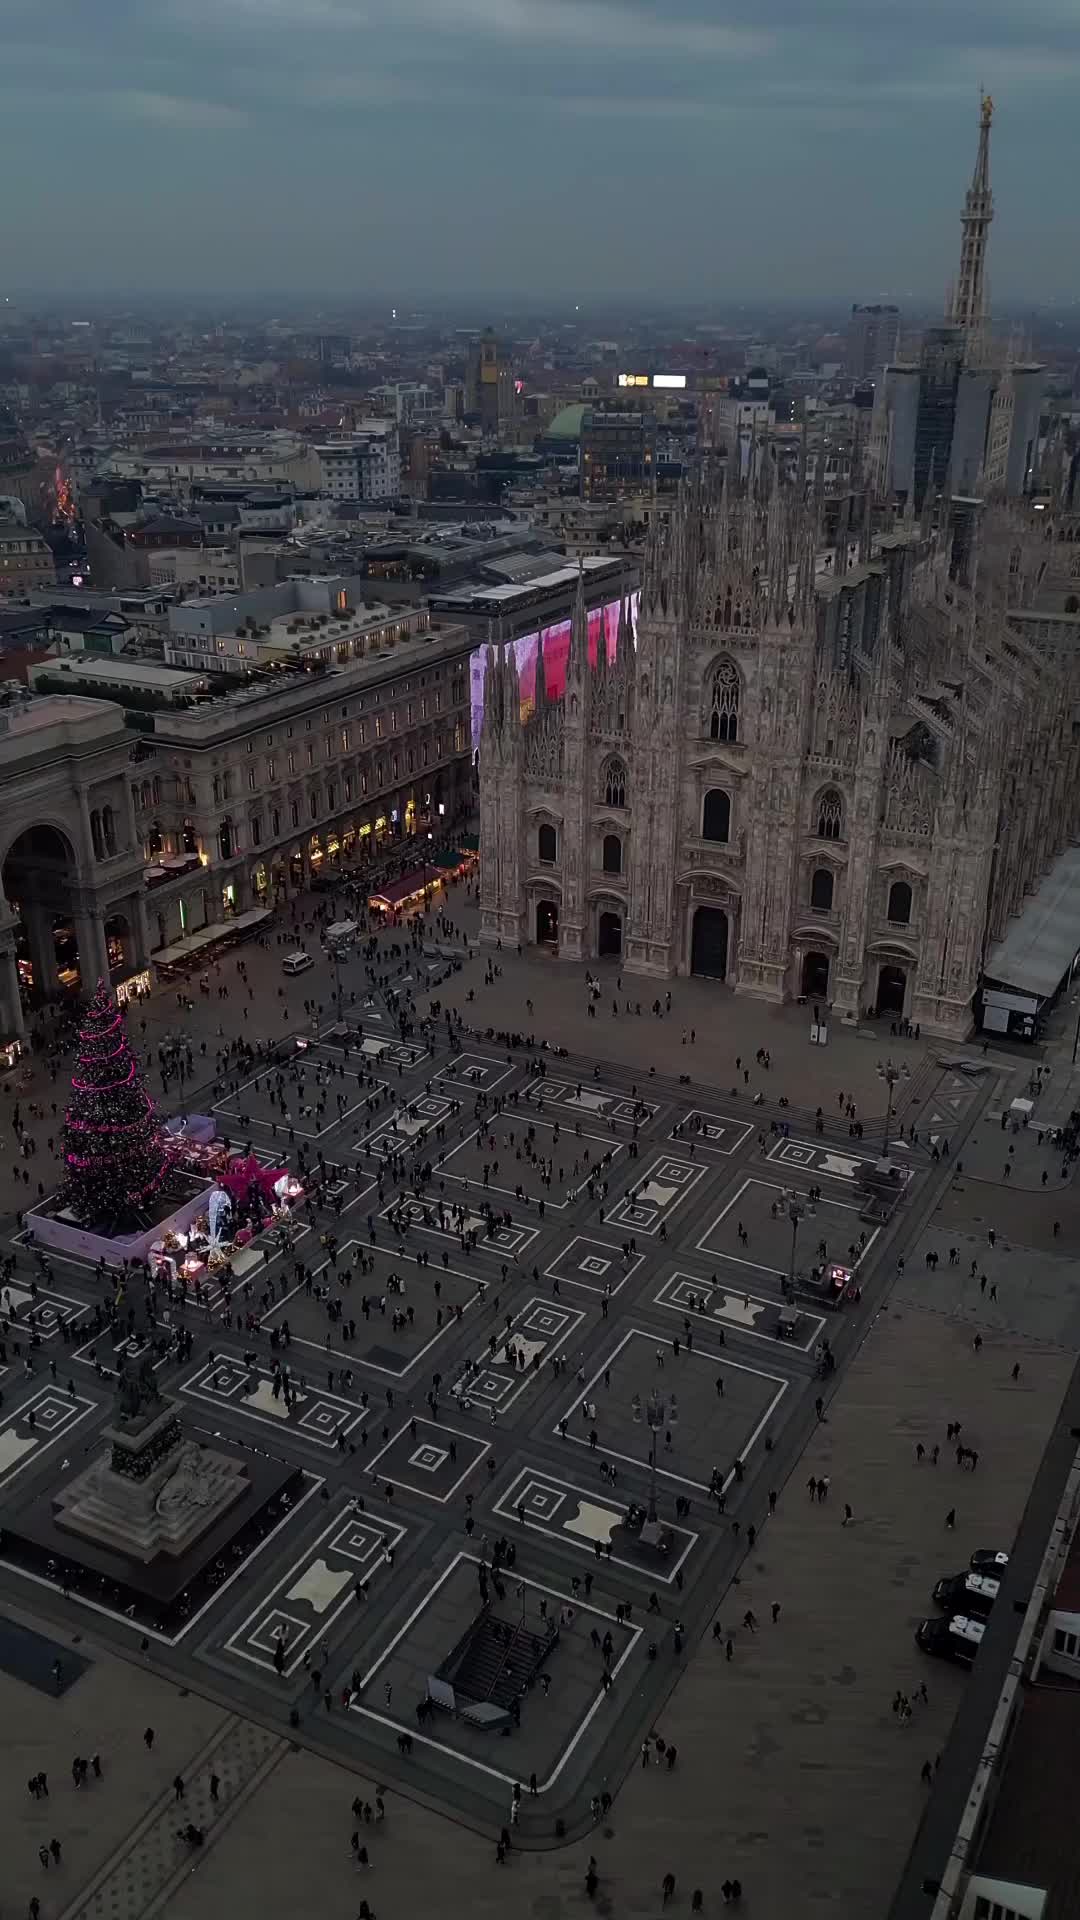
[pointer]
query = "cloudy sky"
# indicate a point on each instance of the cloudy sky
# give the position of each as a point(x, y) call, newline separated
point(730, 148)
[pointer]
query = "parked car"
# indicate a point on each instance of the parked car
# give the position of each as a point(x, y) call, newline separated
point(986, 1560)
point(953, 1636)
point(967, 1592)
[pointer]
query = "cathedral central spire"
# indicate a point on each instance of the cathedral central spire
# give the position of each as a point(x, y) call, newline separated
point(967, 308)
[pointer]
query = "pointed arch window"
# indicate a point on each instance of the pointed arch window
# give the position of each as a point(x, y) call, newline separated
point(615, 784)
point(716, 816)
point(899, 911)
point(612, 853)
point(724, 702)
point(821, 890)
point(830, 821)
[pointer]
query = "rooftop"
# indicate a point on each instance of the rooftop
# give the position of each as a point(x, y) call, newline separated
point(1031, 1838)
point(478, 596)
point(288, 690)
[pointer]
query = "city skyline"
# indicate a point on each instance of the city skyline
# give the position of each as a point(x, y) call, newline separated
point(578, 151)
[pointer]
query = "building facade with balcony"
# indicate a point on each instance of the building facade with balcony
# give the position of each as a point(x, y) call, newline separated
point(246, 796)
point(822, 776)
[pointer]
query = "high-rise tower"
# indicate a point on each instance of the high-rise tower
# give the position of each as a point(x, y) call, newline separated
point(968, 305)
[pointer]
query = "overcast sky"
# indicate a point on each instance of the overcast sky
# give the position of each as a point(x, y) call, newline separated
point(731, 148)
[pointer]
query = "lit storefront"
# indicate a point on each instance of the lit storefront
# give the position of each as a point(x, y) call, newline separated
point(135, 987)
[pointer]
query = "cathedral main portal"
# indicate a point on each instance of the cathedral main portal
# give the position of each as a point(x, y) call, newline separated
point(709, 949)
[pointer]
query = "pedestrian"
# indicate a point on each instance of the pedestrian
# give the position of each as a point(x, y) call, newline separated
point(848, 1516)
point(950, 1519)
point(148, 1739)
point(775, 1612)
point(54, 1849)
point(178, 1786)
point(749, 1620)
point(668, 1887)
point(215, 1786)
point(927, 1773)
point(1015, 1375)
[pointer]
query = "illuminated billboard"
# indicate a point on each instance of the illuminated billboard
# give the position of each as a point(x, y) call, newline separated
point(669, 380)
point(604, 619)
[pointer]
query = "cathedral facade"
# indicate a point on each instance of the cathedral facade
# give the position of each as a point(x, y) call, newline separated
point(821, 775)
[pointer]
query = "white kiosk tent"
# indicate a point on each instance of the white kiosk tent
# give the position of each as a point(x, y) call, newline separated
point(1025, 969)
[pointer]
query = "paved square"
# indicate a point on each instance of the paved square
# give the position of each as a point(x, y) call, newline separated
point(35, 1310)
point(429, 1458)
point(496, 1232)
point(810, 1159)
point(388, 1315)
point(429, 1370)
point(593, 1264)
point(649, 1203)
point(589, 1100)
point(33, 1426)
point(405, 1128)
point(710, 1410)
point(711, 1133)
point(697, 1301)
point(548, 1503)
point(302, 1098)
point(319, 1418)
point(305, 1602)
point(553, 1723)
point(529, 1161)
point(753, 1230)
point(492, 1380)
point(474, 1073)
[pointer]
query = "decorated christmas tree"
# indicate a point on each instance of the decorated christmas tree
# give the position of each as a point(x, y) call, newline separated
point(113, 1154)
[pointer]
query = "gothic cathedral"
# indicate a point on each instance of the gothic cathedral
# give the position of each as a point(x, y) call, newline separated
point(821, 774)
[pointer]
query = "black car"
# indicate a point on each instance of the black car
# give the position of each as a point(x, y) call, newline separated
point(967, 1593)
point(952, 1636)
point(986, 1560)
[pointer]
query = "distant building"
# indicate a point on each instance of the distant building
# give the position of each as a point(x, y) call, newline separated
point(364, 466)
point(964, 416)
point(618, 449)
point(25, 560)
point(489, 384)
point(873, 339)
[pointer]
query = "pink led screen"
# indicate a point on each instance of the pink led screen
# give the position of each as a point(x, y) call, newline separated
point(556, 640)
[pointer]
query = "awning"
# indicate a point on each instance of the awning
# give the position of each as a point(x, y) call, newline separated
point(407, 888)
point(1040, 946)
point(194, 943)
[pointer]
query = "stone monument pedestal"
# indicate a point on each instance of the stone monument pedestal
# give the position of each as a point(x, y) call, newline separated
point(154, 1493)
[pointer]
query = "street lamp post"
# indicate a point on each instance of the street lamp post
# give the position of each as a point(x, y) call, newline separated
point(655, 1414)
point(795, 1211)
point(335, 956)
point(890, 1075)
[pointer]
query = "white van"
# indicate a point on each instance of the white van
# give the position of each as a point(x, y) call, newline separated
point(339, 931)
point(297, 963)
